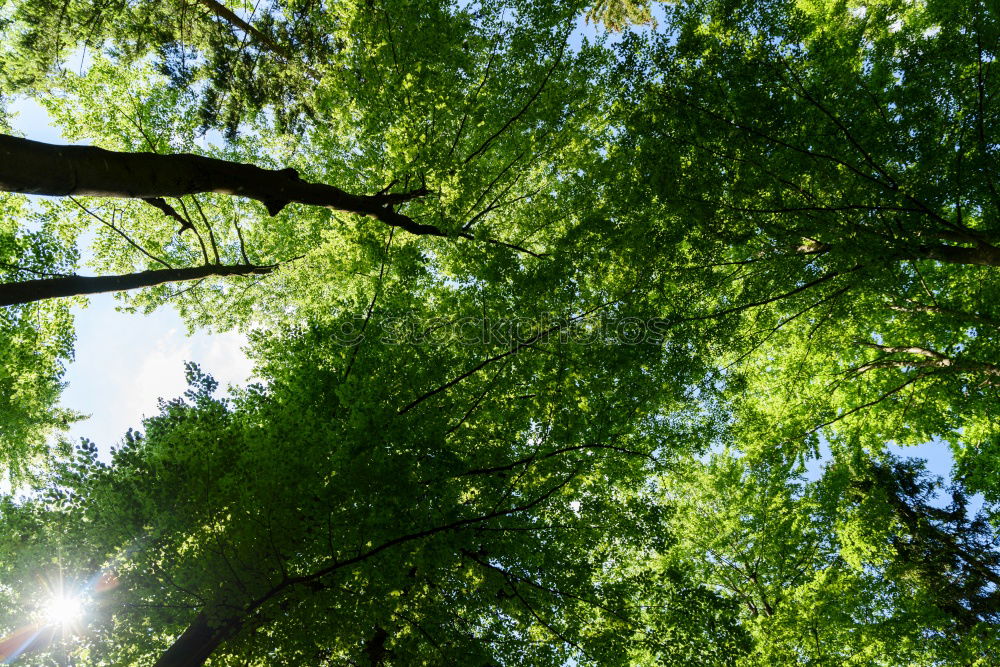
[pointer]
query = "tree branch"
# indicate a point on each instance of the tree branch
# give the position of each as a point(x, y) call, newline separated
point(32, 167)
point(29, 291)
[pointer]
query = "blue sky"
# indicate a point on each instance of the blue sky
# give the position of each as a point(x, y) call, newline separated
point(125, 362)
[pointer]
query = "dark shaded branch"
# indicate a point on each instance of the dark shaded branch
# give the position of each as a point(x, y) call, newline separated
point(503, 355)
point(984, 144)
point(243, 245)
point(983, 255)
point(208, 226)
point(555, 633)
point(371, 306)
point(801, 288)
point(512, 246)
point(478, 400)
point(773, 330)
point(527, 105)
point(472, 99)
point(376, 649)
point(169, 211)
point(492, 184)
point(15, 267)
point(313, 581)
point(201, 241)
point(527, 460)
point(869, 404)
point(882, 171)
point(194, 646)
point(831, 209)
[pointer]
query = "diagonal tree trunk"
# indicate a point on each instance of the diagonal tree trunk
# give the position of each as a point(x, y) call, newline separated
point(37, 168)
point(198, 641)
point(201, 638)
point(50, 288)
point(375, 648)
point(232, 18)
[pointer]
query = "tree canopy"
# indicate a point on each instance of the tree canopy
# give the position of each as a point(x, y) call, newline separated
point(583, 333)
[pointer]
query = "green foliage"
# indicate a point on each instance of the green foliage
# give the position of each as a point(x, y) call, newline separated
point(856, 568)
point(617, 15)
point(36, 340)
point(824, 177)
point(191, 43)
point(455, 452)
point(318, 511)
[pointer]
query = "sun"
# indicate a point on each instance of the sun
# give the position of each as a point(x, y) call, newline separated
point(63, 610)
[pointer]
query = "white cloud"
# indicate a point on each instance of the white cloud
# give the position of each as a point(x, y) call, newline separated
point(160, 374)
point(222, 356)
point(126, 362)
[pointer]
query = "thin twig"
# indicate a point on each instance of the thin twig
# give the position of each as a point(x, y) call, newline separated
point(121, 233)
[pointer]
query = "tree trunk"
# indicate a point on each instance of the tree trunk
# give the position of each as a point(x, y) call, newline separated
point(375, 647)
point(229, 16)
point(32, 167)
point(197, 643)
point(50, 288)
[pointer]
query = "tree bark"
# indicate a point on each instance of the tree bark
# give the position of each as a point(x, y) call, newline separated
point(197, 643)
point(50, 288)
point(32, 167)
point(375, 647)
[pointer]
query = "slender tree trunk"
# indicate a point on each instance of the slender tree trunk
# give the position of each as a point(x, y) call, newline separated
point(227, 15)
point(197, 643)
point(37, 168)
point(50, 288)
point(375, 647)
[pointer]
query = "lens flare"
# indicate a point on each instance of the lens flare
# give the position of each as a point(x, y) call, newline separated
point(63, 610)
